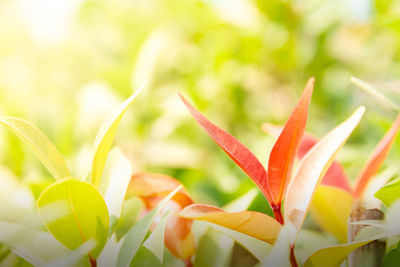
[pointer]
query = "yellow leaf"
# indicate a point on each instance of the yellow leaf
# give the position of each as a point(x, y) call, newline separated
point(331, 208)
point(46, 152)
point(251, 223)
point(74, 212)
point(333, 256)
point(105, 138)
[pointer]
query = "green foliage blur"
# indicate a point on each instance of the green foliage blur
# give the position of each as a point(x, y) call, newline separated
point(65, 64)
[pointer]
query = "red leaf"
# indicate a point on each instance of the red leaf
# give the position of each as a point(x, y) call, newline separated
point(335, 176)
point(377, 158)
point(239, 153)
point(285, 149)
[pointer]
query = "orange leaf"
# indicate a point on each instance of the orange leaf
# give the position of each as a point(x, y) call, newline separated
point(377, 158)
point(146, 184)
point(285, 149)
point(238, 152)
point(152, 188)
point(251, 223)
point(312, 168)
point(335, 176)
point(180, 243)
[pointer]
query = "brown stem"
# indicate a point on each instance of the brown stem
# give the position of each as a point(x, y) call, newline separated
point(371, 254)
point(277, 209)
point(293, 260)
point(93, 262)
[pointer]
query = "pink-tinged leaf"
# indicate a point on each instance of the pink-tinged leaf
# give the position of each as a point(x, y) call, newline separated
point(335, 176)
point(377, 158)
point(238, 152)
point(285, 149)
point(313, 167)
point(251, 223)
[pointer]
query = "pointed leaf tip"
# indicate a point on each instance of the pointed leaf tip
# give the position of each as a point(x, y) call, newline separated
point(105, 138)
point(238, 152)
point(335, 175)
point(313, 167)
point(377, 157)
point(283, 153)
point(41, 146)
point(379, 94)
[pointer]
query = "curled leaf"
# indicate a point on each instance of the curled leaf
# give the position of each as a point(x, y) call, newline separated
point(251, 223)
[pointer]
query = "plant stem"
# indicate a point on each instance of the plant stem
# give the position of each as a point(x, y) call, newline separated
point(277, 209)
point(93, 262)
point(293, 260)
point(371, 254)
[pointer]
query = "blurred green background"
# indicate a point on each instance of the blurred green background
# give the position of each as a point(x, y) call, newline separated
point(65, 64)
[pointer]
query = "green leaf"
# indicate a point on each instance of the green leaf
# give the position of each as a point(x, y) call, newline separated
point(75, 257)
point(389, 193)
point(4, 252)
point(129, 216)
point(333, 256)
point(75, 212)
point(15, 261)
point(46, 152)
point(36, 247)
point(172, 261)
point(145, 258)
point(155, 242)
point(388, 99)
point(214, 250)
point(392, 258)
point(105, 137)
point(136, 235)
